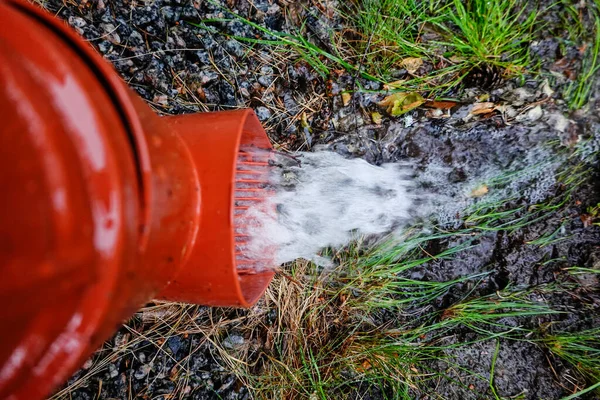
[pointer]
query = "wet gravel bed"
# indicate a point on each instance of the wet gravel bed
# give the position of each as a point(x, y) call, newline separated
point(179, 68)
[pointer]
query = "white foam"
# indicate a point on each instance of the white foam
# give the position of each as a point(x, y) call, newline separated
point(327, 202)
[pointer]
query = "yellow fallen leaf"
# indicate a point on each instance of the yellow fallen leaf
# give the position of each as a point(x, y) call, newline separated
point(482, 108)
point(399, 103)
point(304, 120)
point(346, 97)
point(376, 118)
point(411, 64)
point(480, 191)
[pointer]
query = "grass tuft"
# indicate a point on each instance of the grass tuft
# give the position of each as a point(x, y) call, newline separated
point(580, 349)
point(579, 91)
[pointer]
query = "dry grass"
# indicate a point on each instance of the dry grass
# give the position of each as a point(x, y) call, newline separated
point(298, 305)
point(295, 324)
point(153, 326)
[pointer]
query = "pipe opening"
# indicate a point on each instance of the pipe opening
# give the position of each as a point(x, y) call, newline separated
point(251, 193)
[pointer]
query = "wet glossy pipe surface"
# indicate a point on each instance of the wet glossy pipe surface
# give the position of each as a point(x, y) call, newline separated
point(104, 203)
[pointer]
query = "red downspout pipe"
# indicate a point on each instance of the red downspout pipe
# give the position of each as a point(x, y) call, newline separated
point(104, 204)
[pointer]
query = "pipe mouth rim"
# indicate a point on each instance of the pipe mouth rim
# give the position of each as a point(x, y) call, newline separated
point(251, 282)
point(210, 275)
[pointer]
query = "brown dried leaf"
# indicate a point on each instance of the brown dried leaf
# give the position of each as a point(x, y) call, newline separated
point(436, 113)
point(411, 64)
point(480, 191)
point(442, 105)
point(346, 97)
point(364, 366)
point(561, 65)
point(482, 108)
point(587, 220)
point(202, 95)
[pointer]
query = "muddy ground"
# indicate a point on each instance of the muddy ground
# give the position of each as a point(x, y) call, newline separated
point(180, 68)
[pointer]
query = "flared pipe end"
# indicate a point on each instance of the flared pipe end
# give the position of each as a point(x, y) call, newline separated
point(212, 273)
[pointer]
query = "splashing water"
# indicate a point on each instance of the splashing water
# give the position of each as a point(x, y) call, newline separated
point(318, 200)
point(324, 200)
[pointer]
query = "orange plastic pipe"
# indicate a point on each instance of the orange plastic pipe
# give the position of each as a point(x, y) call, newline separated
point(104, 205)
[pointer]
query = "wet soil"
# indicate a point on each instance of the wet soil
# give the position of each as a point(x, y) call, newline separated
point(179, 68)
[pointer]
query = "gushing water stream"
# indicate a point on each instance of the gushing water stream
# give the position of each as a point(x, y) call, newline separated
point(322, 200)
point(315, 200)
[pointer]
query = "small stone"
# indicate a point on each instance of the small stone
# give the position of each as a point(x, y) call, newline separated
point(105, 47)
point(162, 100)
point(266, 76)
point(207, 77)
point(558, 121)
point(522, 96)
point(273, 9)
point(198, 362)
point(233, 341)
point(142, 371)
point(77, 22)
point(170, 14)
point(203, 57)
point(263, 113)
point(136, 39)
point(121, 339)
point(245, 93)
point(112, 371)
point(180, 42)
point(190, 13)
point(290, 104)
point(372, 85)
point(110, 33)
point(235, 47)
point(204, 375)
point(546, 89)
point(535, 113)
point(174, 343)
